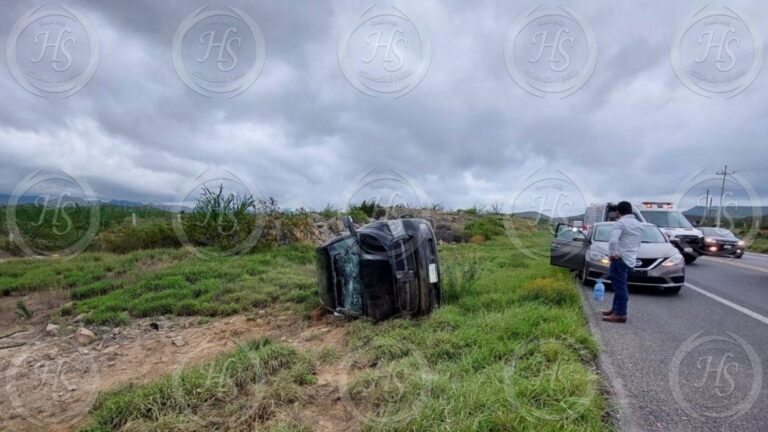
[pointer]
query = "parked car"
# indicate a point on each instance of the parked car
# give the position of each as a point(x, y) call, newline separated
point(687, 239)
point(383, 269)
point(659, 263)
point(721, 242)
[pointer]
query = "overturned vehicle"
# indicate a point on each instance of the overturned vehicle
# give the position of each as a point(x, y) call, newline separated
point(383, 269)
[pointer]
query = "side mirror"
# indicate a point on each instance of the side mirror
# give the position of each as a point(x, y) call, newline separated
point(349, 225)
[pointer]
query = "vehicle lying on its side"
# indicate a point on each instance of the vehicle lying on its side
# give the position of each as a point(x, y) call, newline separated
point(659, 263)
point(383, 269)
point(721, 242)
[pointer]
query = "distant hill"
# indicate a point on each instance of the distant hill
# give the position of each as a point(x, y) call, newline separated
point(733, 212)
point(4, 199)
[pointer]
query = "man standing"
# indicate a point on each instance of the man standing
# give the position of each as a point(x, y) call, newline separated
point(622, 247)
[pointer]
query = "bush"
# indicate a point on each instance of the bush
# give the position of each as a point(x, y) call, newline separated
point(486, 227)
point(221, 220)
point(459, 278)
point(358, 215)
point(157, 233)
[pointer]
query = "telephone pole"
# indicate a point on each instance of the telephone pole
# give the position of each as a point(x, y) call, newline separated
point(723, 173)
point(706, 208)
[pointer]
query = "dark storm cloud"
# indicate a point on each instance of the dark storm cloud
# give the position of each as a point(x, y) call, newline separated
point(467, 134)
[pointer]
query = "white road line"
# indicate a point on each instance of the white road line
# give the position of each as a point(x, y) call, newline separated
point(741, 309)
point(732, 262)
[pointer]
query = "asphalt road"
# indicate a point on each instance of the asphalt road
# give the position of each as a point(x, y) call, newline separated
point(696, 361)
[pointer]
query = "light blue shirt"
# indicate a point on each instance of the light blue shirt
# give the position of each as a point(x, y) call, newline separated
point(625, 240)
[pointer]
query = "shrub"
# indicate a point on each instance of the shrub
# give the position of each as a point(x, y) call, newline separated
point(221, 220)
point(126, 238)
point(487, 227)
point(459, 278)
point(358, 216)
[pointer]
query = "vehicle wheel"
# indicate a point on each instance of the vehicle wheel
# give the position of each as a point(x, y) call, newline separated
point(689, 258)
point(672, 291)
point(739, 255)
point(584, 280)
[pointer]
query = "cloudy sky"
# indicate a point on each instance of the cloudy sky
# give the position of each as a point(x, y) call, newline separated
point(462, 130)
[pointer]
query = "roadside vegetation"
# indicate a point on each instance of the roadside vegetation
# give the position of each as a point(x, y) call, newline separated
point(509, 349)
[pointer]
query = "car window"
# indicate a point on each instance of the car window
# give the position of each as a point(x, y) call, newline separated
point(719, 232)
point(568, 234)
point(602, 233)
point(651, 234)
point(667, 219)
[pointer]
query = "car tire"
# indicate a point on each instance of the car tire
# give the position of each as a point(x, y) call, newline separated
point(689, 259)
point(739, 255)
point(583, 276)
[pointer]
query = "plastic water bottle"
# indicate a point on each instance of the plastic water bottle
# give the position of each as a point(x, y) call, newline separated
point(598, 294)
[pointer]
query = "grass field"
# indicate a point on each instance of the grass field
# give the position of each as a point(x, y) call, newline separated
point(508, 350)
point(110, 289)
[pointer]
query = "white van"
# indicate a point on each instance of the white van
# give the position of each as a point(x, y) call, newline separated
point(606, 212)
point(675, 226)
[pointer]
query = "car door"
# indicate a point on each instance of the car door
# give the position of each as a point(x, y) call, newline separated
point(568, 245)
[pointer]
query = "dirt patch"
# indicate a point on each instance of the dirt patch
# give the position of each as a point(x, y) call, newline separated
point(51, 381)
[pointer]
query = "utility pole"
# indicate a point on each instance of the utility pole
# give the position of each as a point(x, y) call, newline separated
point(723, 173)
point(706, 208)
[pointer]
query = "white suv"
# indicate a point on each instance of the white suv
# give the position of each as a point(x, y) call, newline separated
point(675, 226)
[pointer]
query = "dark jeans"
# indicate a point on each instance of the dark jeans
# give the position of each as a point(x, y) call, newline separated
point(618, 274)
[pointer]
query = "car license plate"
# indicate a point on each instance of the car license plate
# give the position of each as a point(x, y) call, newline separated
point(640, 273)
point(687, 249)
point(727, 247)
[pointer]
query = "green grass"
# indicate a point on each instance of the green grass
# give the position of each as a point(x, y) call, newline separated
point(249, 386)
point(509, 351)
point(111, 289)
